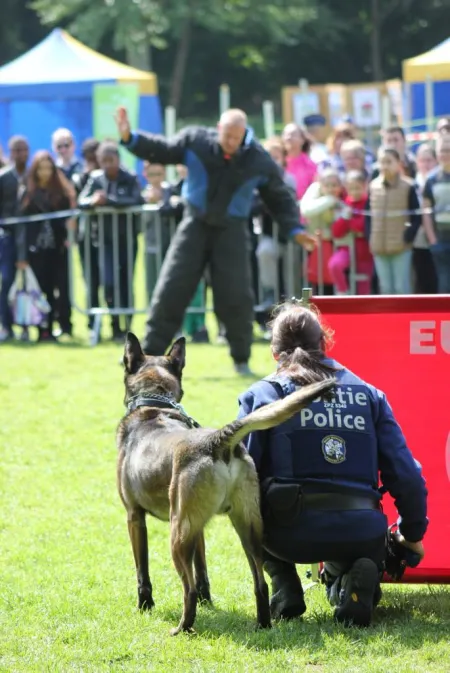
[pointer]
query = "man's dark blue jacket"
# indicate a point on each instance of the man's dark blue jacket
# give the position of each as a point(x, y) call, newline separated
point(219, 189)
point(345, 444)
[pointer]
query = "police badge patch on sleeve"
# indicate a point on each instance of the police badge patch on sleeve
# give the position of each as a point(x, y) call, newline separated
point(333, 449)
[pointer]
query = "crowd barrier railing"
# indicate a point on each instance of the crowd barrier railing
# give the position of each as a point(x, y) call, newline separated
point(108, 239)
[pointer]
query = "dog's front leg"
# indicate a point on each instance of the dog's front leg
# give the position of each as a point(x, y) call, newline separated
point(138, 535)
point(201, 572)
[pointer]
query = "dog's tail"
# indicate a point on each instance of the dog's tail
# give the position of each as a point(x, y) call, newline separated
point(224, 440)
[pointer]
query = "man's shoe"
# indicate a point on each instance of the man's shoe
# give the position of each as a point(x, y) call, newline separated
point(201, 336)
point(357, 596)
point(118, 336)
point(45, 336)
point(243, 369)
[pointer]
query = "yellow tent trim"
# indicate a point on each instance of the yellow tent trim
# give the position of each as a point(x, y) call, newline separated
point(125, 74)
point(434, 64)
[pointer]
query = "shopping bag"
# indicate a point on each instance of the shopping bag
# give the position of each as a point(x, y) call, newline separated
point(28, 303)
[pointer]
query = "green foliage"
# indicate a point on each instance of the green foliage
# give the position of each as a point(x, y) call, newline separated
point(256, 46)
point(128, 20)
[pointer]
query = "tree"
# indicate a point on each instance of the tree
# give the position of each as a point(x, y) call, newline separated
point(136, 24)
point(255, 46)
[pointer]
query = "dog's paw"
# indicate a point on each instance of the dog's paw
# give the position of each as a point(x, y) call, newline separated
point(145, 601)
point(263, 625)
point(189, 631)
point(204, 594)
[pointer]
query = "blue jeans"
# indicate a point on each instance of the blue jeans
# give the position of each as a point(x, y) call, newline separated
point(394, 272)
point(441, 258)
point(7, 275)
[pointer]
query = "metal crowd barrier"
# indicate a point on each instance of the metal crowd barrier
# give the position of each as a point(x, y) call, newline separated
point(295, 266)
point(108, 240)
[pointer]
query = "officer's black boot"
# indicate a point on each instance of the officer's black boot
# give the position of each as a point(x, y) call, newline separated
point(356, 594)
point(287, 600)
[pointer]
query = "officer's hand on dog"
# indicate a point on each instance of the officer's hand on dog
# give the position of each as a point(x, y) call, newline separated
point(306, 240)
point(416, 547)
point(123, 124)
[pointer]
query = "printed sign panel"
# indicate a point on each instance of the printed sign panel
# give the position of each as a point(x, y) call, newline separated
point(105, 101)
point(402, 346)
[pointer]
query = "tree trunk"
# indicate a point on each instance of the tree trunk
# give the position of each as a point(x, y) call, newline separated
point(376, 61)
point(181, 58)
point(139, 55)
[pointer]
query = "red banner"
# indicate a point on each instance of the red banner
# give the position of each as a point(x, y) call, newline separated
point(402, 346)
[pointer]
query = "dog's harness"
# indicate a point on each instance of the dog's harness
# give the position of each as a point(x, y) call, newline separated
point(161, 402)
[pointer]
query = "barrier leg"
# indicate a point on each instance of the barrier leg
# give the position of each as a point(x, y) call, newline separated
point(96, 329)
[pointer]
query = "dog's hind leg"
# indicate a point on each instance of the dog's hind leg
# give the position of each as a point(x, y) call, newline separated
point(183, 549)
point(246, 519)
point(137, 530)
point(201, 573)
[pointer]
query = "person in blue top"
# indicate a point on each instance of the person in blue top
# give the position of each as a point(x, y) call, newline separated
point(320, 474)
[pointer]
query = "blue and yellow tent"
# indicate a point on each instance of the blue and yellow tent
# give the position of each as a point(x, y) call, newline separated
point(434, 64)
point(52, 86)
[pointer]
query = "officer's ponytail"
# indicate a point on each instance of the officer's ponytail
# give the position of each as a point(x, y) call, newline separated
point(299, 343)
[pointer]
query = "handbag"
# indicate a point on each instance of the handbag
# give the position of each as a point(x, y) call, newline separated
point(28, 303)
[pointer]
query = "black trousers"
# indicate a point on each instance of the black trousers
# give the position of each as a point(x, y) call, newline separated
point(338, 557)
point(63, 306)
point(425, 278)
point(45, 266)
point(194, 246)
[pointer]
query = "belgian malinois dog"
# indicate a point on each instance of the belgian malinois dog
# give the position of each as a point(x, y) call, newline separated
point(176, 471)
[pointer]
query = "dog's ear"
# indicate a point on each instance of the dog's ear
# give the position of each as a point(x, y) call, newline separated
point(133, 356)
point(177, 355)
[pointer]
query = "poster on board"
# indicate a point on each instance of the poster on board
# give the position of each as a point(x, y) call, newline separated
point(335, 107)
point(305, 104)
point(395, 93)
point(366, 107)
point(105, 101)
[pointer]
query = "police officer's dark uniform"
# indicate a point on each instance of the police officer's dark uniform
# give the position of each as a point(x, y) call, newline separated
point(218, 193)
point(320, 498)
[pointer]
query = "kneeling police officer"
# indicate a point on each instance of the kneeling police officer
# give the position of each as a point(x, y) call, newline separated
point(319, 475)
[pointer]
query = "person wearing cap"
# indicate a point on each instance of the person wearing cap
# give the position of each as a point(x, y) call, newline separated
point(320, 472)
point(316, 126)
point(225, 166)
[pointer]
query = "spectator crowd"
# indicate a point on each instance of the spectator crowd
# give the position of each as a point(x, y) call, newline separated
point(380, 224)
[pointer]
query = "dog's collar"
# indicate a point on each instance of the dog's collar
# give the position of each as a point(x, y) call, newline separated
point(162, 402)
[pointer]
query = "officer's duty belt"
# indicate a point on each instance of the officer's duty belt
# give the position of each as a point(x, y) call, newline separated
point(337, 501)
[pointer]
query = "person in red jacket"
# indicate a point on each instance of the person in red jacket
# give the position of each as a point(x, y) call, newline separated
point(352, 223)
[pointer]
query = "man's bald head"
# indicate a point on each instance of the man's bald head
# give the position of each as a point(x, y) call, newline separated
point(232, 128)
point(233, 117)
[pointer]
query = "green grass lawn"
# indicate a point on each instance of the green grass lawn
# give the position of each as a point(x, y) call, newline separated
point(67, 582)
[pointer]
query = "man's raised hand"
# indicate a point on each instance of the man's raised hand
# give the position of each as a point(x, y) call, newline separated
point(123, 124)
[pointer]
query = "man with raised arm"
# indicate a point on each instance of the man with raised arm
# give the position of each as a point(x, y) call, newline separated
point(225, 166)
